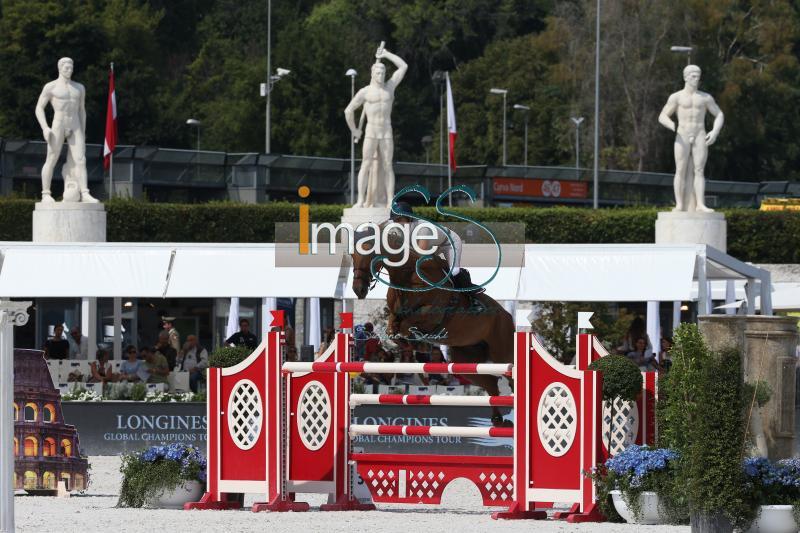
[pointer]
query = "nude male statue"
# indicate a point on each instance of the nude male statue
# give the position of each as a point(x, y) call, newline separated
point(691, 141)
point(378, 149)
point(69, 124)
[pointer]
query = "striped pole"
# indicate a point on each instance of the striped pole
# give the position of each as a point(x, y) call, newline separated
point(434, 399)
point(402, 368)
point(431, 431)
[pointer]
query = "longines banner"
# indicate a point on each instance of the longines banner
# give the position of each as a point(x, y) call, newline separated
point(110, 428)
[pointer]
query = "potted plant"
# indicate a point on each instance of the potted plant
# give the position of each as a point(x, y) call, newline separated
point(701, 415)
point(634, 478)
point(165, 476)
point(774, 489)
point(622, 380)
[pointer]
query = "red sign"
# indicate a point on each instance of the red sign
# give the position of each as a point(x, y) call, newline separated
point(540, 188)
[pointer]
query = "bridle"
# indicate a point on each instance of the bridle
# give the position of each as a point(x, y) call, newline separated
point(365, 275)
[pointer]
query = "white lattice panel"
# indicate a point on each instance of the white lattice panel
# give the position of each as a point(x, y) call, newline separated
point(245, 414)
point(626, 425)
point(557, 419)
point(498, 486)
point(314, 415)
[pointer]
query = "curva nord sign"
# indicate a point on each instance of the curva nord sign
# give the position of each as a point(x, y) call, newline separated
point(538, 188)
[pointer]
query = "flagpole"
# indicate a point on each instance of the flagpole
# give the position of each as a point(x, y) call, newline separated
point(111, 161)
point(449, 143)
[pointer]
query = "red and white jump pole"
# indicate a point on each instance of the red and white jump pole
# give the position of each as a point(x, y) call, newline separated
point(433, 399)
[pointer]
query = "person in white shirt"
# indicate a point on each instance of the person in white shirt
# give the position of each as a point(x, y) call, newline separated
point(193, 358)
point(78, 344)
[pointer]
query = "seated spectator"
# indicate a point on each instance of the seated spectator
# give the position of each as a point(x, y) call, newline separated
point(641, 355)
point(101, 369)
point(243, 337)
point(155, 366)
point(193, 359)
point(372, 344)
point(164, 347)
point(636, 331)
point(664, 358)
point(407, 356)
point(56, 347)
point(328, 337)
point(78, 344)
point(130, 369)
point(438, 379)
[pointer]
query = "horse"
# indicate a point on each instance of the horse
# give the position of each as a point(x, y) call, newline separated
point(475, 327)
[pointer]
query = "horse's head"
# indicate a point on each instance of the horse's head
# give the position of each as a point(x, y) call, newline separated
point(362, 273)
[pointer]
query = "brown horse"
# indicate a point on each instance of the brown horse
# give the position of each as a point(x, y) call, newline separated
point(475, 327)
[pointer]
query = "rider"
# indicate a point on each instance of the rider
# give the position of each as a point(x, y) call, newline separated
point(451, 252)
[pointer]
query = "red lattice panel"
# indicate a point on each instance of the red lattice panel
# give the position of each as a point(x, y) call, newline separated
point(423, 478)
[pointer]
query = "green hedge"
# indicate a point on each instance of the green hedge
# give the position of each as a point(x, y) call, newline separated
point(757, 236)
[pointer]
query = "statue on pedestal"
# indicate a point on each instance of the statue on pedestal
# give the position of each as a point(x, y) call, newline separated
point(376, 176)
point(691, 139)
point(69, 124)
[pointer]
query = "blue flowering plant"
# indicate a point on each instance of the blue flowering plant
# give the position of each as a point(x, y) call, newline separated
point(633, 471)
point(149, 473)
point(773, 483)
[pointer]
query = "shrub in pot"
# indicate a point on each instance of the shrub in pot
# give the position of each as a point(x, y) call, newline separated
point(162, 476)
point(226, 356)
point(622, 380)
point(634, 478)
point(701, 416)
point(774, 490)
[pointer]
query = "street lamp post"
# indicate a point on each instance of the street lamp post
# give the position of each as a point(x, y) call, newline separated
point(438, 81)
point(266, 90)
point(196, 123)
point(596, 170)
point(683, 50)
point(504, 92)
point(352, 73)
point(577, 121)
point(427, 141)
point(525, 113)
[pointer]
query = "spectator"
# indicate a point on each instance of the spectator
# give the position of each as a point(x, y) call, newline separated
point(156, 366)
point(438, 379)
point(243, 337)
point(637, 330)
point(291, 346)
point(78, 344)
point(164, 347)
point(407, 356)
point(101, 369)
point(131, 367)
point(372, 344)
point(664, 358)
point(56, 347)
point(193, 359)
point(642, 356)
point(327, 339)
point(174, 336)
point(359, 340)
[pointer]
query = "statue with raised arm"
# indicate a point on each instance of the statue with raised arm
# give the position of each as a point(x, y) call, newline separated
point(69, 124)
point(691, 139)
point(376, 176)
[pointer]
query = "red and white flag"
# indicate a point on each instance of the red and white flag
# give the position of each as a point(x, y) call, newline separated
point(111, 121)
point(451, 125)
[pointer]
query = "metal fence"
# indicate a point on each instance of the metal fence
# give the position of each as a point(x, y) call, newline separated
point(162, 174)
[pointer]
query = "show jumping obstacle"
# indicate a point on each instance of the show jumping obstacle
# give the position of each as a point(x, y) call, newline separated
point(257, 446)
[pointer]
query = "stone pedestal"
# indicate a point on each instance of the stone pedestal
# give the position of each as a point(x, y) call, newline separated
point(69, 222)
point(692, 227)
point(360, 215)
point(767, 345)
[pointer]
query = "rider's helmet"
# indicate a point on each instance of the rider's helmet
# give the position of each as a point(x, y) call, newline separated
point(401, 210)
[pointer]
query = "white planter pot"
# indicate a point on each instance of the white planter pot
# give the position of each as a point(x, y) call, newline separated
point(190, 491)
point(774, 519)
point(650, 511)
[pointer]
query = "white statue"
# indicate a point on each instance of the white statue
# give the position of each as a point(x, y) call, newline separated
point(69, 124)
point(376, 176)
point(691, 140)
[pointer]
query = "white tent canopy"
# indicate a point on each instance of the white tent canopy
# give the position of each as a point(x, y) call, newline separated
point(558, 272)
